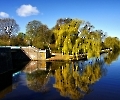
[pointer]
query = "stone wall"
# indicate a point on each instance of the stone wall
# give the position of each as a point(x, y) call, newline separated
point(19, 55)
point(5, 59)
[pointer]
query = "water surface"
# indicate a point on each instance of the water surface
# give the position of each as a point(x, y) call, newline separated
point(94, 79)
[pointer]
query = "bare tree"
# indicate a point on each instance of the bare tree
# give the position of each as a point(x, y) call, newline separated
point(8, 26)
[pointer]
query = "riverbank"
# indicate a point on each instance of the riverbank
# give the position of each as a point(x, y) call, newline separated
point(60, 57)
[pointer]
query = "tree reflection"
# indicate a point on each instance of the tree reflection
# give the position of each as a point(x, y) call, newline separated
point(37, 78)
point(72, 79)
point(37, 81)
point(70, 82)
point(111, 56)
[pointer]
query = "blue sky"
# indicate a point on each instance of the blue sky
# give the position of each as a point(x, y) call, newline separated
point(102, 14)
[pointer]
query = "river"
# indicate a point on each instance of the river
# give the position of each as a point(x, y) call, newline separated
point(93, 79)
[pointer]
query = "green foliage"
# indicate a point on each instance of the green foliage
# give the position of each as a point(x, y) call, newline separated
point(18, 40)
point(4, 40)
point(38, 34)
point(44, 34)
point(91, 42)
point(66, 34)
point(53, 48)
point(67, 46)
point(4, 43)
point(72, 40)
point(31, 30)
point(112, 42)
point(32, 27)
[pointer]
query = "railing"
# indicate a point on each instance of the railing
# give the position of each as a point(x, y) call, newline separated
point(12, 47)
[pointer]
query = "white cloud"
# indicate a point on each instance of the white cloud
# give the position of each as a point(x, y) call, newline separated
point(27, 10)
point(4, 15)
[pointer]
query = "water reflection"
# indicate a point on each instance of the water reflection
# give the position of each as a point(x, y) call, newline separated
point(5, 81)
point(74, 83)
point(10, 78)
point(111, 56)
point(15, 79)
point(72, 79)
point(35, 65)
point(36, 75)
point(37, 81)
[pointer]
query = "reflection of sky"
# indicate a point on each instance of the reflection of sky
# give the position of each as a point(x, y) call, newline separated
point(108, 87)
point(19, 78)
point(22, 92)
point(23, 79)
point(91, 61)
point(15, 77)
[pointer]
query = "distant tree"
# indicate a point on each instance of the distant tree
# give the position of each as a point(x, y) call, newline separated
point(45, 34)
point(62, 21)
point(19, 40)
point(112, 42)
point(8, 26)
point(42, 38)
point(32, 28)
point(21, 36)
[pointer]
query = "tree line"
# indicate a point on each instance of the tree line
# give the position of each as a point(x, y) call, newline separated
point(68, 36)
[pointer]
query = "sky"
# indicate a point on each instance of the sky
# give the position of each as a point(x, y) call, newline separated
point(102, 14)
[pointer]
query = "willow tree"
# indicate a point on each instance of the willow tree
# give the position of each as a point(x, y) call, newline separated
point(73, 39)
point(66, 33)
point(93, 43)
point(88, 41)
